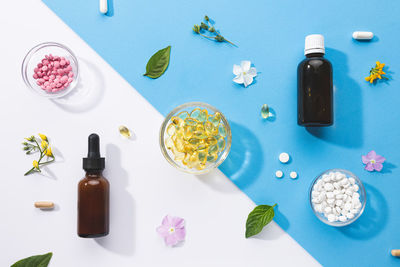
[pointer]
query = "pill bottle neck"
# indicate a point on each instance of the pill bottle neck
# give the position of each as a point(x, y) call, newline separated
point(315, 55)
point(93, 174)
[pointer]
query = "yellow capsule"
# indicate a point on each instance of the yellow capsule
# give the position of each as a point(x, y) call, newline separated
point(201, 166)
point(191, 121)
point(215, 119)
point(188, 131)
point(211, 140)
point(169, 143)
point(123, 130)
point(183, 115)
point(202, 147)
point(221, 144)
point(179, 145)
point(202, 157)
point(213, 149)
point(195, 141)
point(195, 114)
point(210, 129)
point(185, 160)
point(171, 129)
point(177, 121)
point(222, 130)
point(203, 115)
point(179, 156)
point(189, 148)
point(212, 157)
point(200, 134)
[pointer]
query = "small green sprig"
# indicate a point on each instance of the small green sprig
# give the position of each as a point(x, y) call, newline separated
point(32, 146)
point(208, 26)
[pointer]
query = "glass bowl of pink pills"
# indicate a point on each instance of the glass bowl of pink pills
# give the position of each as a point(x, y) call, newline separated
point(50, 69)
point(337, 197)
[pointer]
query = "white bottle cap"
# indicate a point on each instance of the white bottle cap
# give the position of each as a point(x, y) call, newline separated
point(314, 44)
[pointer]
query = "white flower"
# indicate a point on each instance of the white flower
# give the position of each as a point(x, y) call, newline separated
point(244, 73)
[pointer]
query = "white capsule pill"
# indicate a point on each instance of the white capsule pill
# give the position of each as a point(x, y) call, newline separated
point(363, 35)
point(330, 195)
point(328, 210)
point(279, 174)
point(342, 218)
point(293, 175)
point(103, 6)
point(350, 215)
point(328, 187)
point(331, 217)
point(284, 157)
point(352, 180)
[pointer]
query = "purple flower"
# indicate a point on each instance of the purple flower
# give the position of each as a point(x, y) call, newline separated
point(373, 161)
point(172, 229)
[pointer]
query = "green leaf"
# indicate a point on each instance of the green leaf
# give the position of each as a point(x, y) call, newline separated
point(258, 218)
point(158, 63)
point(34, 261)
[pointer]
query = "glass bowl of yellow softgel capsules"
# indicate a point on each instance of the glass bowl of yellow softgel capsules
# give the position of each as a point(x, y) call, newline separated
point(195, 138)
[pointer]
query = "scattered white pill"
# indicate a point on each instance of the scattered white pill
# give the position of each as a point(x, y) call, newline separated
point(337, 197)
point(293, 175)
point(284, 157)
point(279, 174)
point(103, 6)
point(363, 35)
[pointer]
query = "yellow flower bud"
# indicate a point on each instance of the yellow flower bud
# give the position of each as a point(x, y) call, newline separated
point(35, 164)
point(48, 152)
point(43, 137)
point(44, 144)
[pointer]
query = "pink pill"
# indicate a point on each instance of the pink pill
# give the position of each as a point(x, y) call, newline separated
point(46, 78)
point(38, 83)
point(52, 85)
point(67, 62)
point(51, 57)
point(60, 71)
point(35, 76)
point(45, 61)
point(56, 58)
point(56, 64)
point(64, 79)
point(44, 68)
point(35, 69)
point(62, 62)
point(58, 85)
point(69, 68)
point(52, 77)
point(46, 83)
point(54, 72)
point(62, 58)
point(40, 65)
point(71, 74)
point(57, 80)
point(41, 80)
point(70, 80)
point(48, 87)
point(43, 87)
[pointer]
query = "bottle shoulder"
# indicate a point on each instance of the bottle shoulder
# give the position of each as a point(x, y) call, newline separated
point(315, 63)
point(94, 180)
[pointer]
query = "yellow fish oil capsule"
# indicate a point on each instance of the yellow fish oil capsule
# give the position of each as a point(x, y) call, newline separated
point(124, 131)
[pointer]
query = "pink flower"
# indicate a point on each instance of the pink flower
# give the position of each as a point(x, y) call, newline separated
point(172, 229)
point(373, 161)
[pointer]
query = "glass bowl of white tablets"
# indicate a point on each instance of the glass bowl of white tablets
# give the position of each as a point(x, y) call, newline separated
point(337, 197)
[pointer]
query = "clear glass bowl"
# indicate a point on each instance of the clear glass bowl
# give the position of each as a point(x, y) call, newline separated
point(169, 156)
point(361, 191)
point(36, 54)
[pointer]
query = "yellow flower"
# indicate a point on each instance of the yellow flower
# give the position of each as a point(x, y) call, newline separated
point(44, 144)
point(379, 65)
point(43, 137)
point(35, 164)
point(48, 152)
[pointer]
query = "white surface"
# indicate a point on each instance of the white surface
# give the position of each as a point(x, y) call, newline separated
point(144, 187)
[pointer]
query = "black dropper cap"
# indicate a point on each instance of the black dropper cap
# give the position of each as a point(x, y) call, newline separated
point(93, 162)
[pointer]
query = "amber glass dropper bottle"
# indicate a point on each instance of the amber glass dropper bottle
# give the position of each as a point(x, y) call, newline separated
point(93, 194)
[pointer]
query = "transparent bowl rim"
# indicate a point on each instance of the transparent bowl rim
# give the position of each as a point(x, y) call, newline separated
point(222, 157)
point(28, 57)
point(362, 193)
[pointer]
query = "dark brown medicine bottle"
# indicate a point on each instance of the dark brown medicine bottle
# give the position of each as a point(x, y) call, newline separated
point(314, 85)
point(93, 194)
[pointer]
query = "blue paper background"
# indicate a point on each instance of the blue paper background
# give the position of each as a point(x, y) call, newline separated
point(271, 35)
